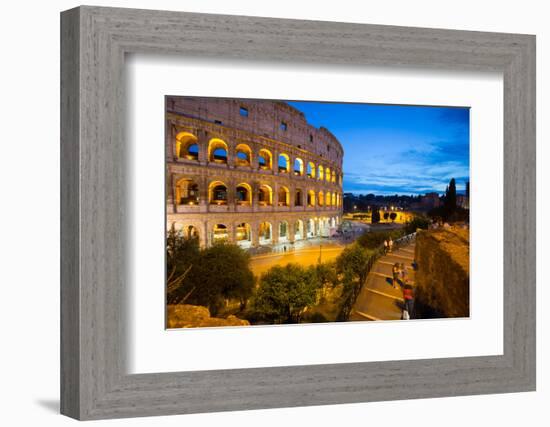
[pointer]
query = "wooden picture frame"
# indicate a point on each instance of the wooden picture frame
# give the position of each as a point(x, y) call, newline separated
point(94, 382)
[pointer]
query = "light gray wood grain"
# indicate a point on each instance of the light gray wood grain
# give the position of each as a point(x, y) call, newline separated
point(94, 270)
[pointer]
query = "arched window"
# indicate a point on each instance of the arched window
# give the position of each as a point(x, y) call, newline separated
point(321, 198)
point(333, 178)
point(217, 193)
point(264, 233)
point(217, 151)
point(334, 199)
point(244, 155)
point(265, 159)
point(298, 197)
point(310, 170)
point(186, 146)
point(187, 192)
point(242, 233)
point(283, 230)
point(311, 198)
point(298, 230)
point(327, 198)
point(244, 194)
point(191, 232)
point(284, 163)
point(327, 174)
point(265, 195)
point(298, 167)
point(219, 233)
point(283, 196)
point(321, 172)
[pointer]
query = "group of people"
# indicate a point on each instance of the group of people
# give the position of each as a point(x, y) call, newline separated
point(399, 271)
point(388, 246)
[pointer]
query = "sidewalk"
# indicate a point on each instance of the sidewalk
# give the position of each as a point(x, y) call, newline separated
point(378, 299)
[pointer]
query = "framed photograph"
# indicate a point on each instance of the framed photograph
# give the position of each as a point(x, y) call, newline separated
point(261, 213)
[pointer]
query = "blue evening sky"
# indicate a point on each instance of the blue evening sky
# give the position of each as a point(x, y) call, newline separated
point(397, 149)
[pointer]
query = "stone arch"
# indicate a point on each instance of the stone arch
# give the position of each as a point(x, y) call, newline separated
point(310, 170)
point(243, 194)
point(218, 151)
point(283, 196)
point(265, 195)
point(187, 192)
point(265, 159)
point(321, 172)
point(265, 233)
point(217, 193)
point(321, 199)
point(190, 232)
point(327, 199)
point(327, 174)
point(284, 230)
point(187, 146)
point(311, 198)
point(298, 166)
point(299, 230)
point(333, 177)
point(334, 200)
point(298, 197)
point(220, 233)
point(283, 163)
point(310, 228)
point(243, 234)
point(243, 155)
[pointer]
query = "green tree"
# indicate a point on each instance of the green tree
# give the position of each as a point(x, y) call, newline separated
point(224, 273)
point(182, 255)
point(375, 216)
point(284, 293)
point(415, 223)
point(353, 266)
point(386, 216)
point(393, 215)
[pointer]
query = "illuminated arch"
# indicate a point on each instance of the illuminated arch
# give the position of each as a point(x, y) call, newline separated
point(187, 192)
point(265, 195)
point(190, 232)
point(298, 167)
point(284, 231)
point(321, 172)
point(334, 200)
point(243, 234)
point(327, 174)
point(333, 178)
point(217, 193)
point(283, 163)
point(243, 155)
point(321, 198)
point(283, 196)
point(311, 198)
point(220, 233)
point(186, 146)
point(264, 233)
point(217, 151)
point(310, 170)
point(265, 159)
point(310, 228)
point(299, 230)
point(327, 199)
point(243, 194)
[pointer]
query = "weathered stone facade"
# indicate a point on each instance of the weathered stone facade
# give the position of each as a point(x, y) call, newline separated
point(251, 172)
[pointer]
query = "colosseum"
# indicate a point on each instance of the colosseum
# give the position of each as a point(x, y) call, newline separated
point(250, 172)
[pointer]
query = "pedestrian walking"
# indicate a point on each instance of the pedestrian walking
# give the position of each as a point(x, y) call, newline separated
point(408, 297)
point(390, 245)
point(385, 247)
point(403, 271)
point(395, 273)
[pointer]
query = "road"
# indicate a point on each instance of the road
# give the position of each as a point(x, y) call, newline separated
point(305, 257)
point(378, 299)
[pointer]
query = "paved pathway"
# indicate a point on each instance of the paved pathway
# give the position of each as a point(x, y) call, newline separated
point(378, 299)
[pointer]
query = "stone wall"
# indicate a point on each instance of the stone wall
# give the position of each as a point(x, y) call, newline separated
point(443, 276)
